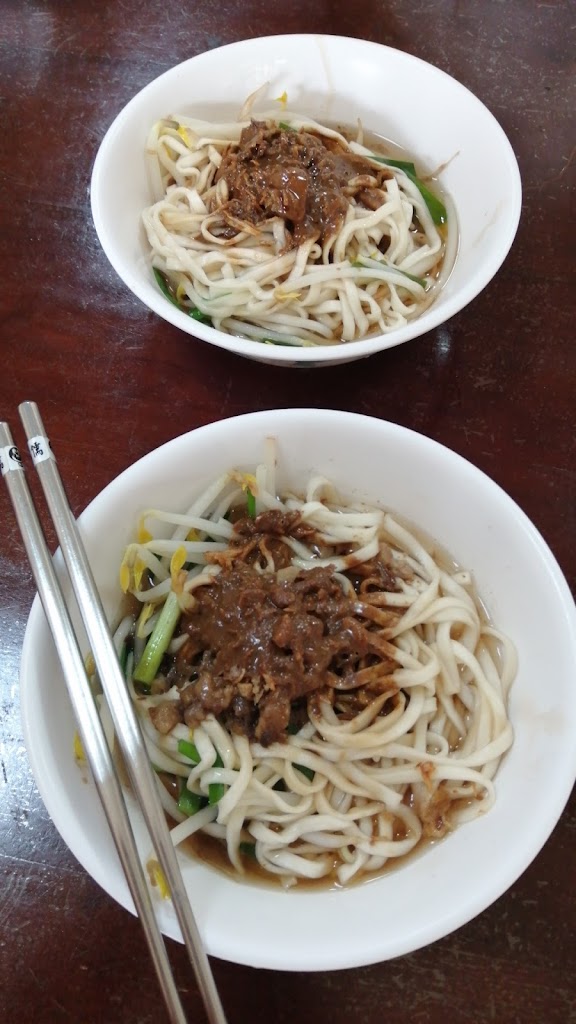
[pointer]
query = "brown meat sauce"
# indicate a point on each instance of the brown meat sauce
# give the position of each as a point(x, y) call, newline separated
point(260, 645)
point(306, 179)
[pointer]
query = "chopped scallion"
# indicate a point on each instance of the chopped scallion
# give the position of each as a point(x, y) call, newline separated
point(147, 667)
point(189, 803)
point(403, 165)
point(435, 205)
point(123, 658)
point(216, 790)
point(196, 314)
point(189, 750)
point(365, 264)
point(250, 504)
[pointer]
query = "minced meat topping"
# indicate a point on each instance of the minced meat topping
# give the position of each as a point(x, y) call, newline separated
point(306, 179)
point(258, 644)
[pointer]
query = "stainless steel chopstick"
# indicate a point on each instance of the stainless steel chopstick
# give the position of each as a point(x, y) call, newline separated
point(119, 701)
point(85, 712)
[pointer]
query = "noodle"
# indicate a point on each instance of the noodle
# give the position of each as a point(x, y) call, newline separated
point(369, 271)
point(402, 745)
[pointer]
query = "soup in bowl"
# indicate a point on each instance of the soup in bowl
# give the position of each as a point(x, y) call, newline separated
point(428, 515)
point(420, 231)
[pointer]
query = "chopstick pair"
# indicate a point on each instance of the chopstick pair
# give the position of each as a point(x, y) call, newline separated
point(119, 702)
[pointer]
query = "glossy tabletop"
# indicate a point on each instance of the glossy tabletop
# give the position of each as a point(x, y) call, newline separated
point(496, 384)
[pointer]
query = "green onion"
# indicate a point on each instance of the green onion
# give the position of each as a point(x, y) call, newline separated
point(160, 637)
point(250, 503)
point(412, 277)
point(216, 790)
point(166, 290)
point(197, 314)
point(403, 165)
point(287, 127)
point(123, 658)
point(308, 772)
point(248, 849)
point(435, 205)
point(363, 265)
point(189, 750)
point(189, 803)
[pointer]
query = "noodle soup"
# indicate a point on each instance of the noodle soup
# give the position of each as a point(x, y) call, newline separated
point(289, 232)
point(319, 689)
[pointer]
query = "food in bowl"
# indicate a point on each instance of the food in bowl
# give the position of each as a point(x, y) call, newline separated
point(319, 688)
point(285, 231)
point(375, 463)
point(337, 81)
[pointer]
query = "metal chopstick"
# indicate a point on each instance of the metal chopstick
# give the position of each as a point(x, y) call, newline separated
point(85, 712)
point(125, 721)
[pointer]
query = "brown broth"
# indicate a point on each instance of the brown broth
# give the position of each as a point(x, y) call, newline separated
point(212, 852)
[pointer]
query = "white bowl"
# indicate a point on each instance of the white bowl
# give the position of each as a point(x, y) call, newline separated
point(334, 79)
point(527, 596)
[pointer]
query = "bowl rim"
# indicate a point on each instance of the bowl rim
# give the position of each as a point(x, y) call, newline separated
point(512, 864)
point(436, 315)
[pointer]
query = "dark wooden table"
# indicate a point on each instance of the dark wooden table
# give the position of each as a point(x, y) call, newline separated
point(113, 381)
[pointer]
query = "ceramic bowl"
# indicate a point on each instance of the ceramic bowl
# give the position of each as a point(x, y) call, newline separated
point(335, 80)
point(527, 597)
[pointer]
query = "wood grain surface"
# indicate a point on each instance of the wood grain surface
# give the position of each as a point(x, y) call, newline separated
point(496, 384)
